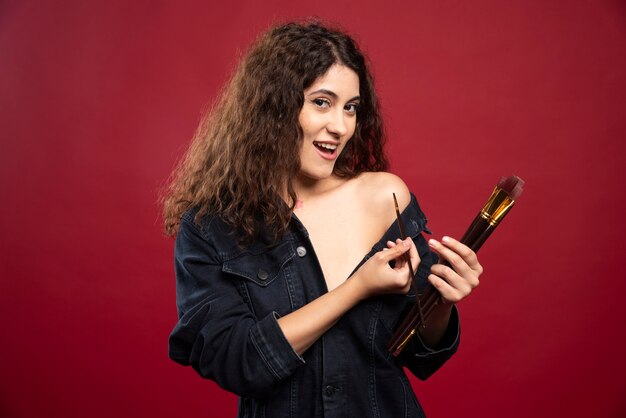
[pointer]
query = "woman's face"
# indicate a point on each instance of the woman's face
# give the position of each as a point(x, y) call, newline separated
point(328, 120)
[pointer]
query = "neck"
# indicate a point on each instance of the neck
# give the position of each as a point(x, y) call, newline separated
point(306, 187)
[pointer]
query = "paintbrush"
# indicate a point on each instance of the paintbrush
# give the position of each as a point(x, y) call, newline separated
point(498, 205)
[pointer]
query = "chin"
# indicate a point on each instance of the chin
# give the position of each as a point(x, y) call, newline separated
point(317, 174)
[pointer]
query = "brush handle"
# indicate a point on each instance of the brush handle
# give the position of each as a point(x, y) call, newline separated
point(477, 233)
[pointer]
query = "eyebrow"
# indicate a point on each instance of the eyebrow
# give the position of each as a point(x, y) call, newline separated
point(331, 94)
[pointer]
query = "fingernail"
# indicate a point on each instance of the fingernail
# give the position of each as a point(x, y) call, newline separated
point(432, 242)
point(446, 239)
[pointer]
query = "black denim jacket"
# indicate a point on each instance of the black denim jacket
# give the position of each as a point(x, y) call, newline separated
point(229, 299)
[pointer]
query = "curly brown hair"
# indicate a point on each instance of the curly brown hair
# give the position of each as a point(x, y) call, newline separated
point(245, 153)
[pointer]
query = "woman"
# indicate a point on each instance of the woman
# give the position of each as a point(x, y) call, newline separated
point(281, 198)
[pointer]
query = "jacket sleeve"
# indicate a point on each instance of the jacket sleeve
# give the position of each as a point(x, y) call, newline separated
point(420, 359)
point(423, 361)
point(217, 334)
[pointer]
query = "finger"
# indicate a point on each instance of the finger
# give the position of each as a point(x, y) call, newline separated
point(450, 285)
point(413, 254)
point(446, 291)
point(394, 252)
point(464, 285)
point(464, 251)
point(456, 261)
point(415, 257)
point(401, 261)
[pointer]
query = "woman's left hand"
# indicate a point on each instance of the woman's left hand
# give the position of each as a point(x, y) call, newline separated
point(456, 282)
point(453, 283)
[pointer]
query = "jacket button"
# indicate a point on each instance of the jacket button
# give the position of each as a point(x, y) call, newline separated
point(330, 390)
point(262, 274)
point(301, 251)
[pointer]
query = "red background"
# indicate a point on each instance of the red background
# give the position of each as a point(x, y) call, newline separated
point(99, 99)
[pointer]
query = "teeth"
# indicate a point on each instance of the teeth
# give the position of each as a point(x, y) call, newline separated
point(327, 146)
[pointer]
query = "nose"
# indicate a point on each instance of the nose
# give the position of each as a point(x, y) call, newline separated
point(337, 125)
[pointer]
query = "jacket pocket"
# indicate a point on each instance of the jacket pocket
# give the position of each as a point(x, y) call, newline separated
point(262, 275)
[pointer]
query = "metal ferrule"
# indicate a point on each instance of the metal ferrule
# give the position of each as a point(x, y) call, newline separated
point(497, 206)
point(403, 343)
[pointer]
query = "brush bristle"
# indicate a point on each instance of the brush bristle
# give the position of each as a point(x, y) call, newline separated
point(513, 185)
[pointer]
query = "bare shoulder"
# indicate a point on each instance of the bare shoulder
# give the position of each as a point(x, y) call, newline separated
point(378, 188)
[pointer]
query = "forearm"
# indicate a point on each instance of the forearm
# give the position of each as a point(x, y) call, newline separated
point(306, 325)
point(436, 324)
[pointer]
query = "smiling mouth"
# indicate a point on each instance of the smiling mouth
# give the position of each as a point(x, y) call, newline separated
point(325, 148)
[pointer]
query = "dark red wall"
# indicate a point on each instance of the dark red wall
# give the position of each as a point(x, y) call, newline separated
point(99, 99)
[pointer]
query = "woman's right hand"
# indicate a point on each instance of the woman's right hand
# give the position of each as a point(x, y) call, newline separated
point(305, 325)
point(376, 276)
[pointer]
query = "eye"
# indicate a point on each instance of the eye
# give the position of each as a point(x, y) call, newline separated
point(351, 108)
point(321, 103)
